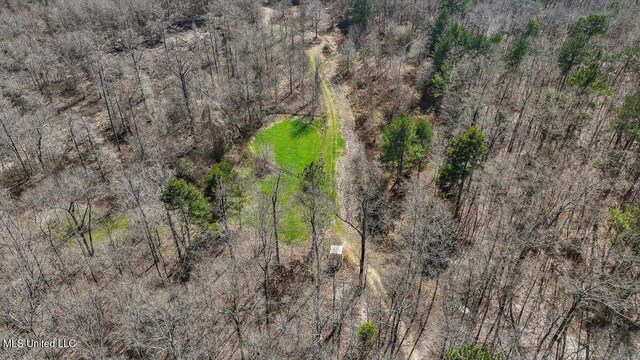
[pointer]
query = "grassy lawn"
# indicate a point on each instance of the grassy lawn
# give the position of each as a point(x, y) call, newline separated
point(295, 143)
point(292, 228)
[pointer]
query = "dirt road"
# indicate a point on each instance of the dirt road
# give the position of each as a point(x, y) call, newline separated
point(340, 116)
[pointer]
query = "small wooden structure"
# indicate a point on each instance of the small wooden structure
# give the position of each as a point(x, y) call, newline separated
point(335, 258)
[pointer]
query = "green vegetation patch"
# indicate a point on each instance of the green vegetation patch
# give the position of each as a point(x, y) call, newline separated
point(292, 227)
point(367, 333)
point(101, 230)
point(295, 143)
point(109, 225)
point(472, 352)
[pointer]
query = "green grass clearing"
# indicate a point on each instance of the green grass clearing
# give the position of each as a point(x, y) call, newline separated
point(295, 145)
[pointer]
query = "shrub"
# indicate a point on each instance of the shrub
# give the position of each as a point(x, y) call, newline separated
point(367, 333)
point(471, 352)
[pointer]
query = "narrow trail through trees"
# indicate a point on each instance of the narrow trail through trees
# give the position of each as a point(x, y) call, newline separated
point(340, 120)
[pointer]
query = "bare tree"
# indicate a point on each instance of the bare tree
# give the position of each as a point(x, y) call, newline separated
point(315, 10)
point(9, 124)
point(180, 64)
point(365, 195)
point(316, 205)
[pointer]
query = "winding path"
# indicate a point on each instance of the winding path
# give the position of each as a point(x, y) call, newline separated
point(340, 120)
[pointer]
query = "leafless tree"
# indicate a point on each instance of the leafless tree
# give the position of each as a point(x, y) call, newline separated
point(365, 195)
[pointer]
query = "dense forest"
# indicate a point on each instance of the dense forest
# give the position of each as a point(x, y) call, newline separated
point(320, 179)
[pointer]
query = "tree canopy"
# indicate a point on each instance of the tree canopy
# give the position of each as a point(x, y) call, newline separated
point(628, 120)
point(450, 44)
point(367, 333)
point(222, 188)
point(626, 225)
point(464, 155)
point(405, 143)
point(576, 49)
point(314, 177)
point(361, 11)
point(522, 46)
point(589, 26)
point(182, 196)
point(446, 9)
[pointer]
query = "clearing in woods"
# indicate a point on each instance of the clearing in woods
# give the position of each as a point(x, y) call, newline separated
point(295, 144)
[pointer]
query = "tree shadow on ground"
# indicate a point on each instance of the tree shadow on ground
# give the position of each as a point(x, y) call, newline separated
point(301, 128)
